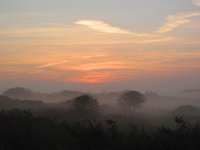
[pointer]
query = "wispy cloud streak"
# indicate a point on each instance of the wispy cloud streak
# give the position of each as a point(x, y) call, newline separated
point(50, 65)
point(101, 26)
point(175, 21)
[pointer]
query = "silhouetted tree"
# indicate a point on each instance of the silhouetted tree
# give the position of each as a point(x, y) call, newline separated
point(131, 99)
point(85, 103)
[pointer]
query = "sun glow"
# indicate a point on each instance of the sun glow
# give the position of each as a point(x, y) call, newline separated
point(94, 78)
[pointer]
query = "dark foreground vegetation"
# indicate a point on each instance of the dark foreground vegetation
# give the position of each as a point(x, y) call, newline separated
point(20, 130)
point(83, 123)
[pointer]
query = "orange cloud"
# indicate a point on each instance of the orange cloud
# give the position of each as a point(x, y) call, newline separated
point(138, 64)
point(86, 65)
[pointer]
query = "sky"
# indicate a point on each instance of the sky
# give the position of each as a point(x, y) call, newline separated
point(100, 45)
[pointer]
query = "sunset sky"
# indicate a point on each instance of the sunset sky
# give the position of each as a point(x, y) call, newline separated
point(96, 45)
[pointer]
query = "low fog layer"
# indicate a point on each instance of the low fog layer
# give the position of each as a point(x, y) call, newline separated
point(152, 99)
point(149, 106)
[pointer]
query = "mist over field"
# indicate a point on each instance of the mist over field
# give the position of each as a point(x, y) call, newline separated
point(114, 120)
point(151, 105)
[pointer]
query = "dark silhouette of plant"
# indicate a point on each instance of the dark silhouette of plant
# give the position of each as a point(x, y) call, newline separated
point(131, 99)
point(85, 103)
point(180, 121)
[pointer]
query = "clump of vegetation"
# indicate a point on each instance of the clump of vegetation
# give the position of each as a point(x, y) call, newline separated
point(131, 100)
point(85, 103)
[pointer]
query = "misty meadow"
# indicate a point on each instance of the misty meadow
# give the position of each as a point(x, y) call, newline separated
point(117, 120)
